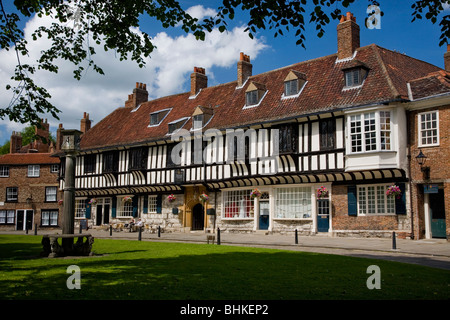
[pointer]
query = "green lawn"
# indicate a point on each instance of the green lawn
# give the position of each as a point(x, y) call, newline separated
point(124, 269)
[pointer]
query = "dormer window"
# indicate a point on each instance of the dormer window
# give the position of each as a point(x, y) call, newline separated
point(157, 117)
point(254, 94)
point(201, 117)
point(177, 124)
point(294, 83)
point(355, 73)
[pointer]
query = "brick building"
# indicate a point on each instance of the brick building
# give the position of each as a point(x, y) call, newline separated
point(429, 137)
point(30, 196)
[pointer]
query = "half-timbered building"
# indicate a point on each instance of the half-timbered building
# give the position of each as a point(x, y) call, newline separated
point(311, 147)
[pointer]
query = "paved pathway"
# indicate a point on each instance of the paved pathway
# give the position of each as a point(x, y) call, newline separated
point(434, 253)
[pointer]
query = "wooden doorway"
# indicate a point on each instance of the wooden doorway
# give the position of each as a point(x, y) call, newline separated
point(198, 217)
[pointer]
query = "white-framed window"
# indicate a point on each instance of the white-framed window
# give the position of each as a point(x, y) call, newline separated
point(291, 87)
point(54, 168)
point(12, 194)
point(50, 194)
point(372, 200)
point(7, 216)
point(33, 170)
point(428, 128)
point(152, 203)
point(4, 171)
point(80, 208)
point(293, 203)
point(238, 204)
point(370, 132)
point(124, 208)
point(49, 217)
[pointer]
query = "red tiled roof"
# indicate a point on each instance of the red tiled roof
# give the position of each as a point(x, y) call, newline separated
point(389, 73)
point(432, 84)
point(28, 158)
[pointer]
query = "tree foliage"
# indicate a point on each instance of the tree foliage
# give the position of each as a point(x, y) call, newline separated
point(113, 24)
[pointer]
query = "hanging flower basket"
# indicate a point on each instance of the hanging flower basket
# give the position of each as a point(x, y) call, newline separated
point(203, 197)
point(255, 193)
point(322, 192)
point(93, 201)
point(127, 199)
point(171, 198)
point(60, 202)
point(394, 191)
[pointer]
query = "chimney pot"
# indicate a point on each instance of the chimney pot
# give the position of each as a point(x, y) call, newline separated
point(199, 80)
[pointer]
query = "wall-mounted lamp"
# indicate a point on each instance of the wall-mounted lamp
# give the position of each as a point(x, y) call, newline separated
point(421, 159)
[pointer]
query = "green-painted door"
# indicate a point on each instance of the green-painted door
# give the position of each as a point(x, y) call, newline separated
point(437, 214)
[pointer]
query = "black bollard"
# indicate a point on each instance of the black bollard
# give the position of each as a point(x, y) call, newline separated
point(296, 236)
point(218, 236)
point(35, 229)
point(80, 228)
point(140, 234)
point(110, 230)
point(26, 228)
point(159, 231)
point(394, 244)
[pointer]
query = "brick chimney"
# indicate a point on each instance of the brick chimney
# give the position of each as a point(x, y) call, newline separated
point(199, 80)
point(347, 36)
point(85, 123)
point(59, 137)
point(244, 69)
point(139, 95)
point(15, 142)
point(447, 59)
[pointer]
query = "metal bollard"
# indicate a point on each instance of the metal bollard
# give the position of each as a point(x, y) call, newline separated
point(218, 236)
point(26, 228)
point(110, 230)
point(140, 234)
point(159, 231)
point(394, 244)
point(35, 229)
point(296, 236)
point(80, 228)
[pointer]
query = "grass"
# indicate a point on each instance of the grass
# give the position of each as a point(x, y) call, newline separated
point(124, 269)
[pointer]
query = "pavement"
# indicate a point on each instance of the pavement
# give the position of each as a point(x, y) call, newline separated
point(433, 253)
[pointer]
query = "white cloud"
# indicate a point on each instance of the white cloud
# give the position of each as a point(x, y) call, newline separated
point(166, 72)
point(201, 12)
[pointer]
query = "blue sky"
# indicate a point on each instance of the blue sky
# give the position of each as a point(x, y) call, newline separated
point(168, 70)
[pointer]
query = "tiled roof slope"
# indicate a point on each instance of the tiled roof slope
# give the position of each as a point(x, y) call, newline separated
point(28, 158)
point(389, 73)
point(433, 84)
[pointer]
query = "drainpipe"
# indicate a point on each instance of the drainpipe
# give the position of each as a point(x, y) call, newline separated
point(409, 173)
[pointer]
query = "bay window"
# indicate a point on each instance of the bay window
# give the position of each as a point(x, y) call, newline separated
point(370, 132)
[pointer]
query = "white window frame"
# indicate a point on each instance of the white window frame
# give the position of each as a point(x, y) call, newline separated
point(420, 130)
point(54, 168)
point(370, 203)
point(80, 208)
point(51, 196)
point(124, 209)
point(296, 204)
point(34, 170)
point(381, 130)
point(12, 194)
point(4, 171)
point(152, 204)
point(243, 204)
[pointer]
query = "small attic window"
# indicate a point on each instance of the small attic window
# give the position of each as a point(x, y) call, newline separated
point(355, 73)
point(157, 117)
point(293, 84)
point(201, 117)
point(177, 124)
point(254, 94)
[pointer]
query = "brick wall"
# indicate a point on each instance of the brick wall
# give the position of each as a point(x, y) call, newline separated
point(437, 161)
point(369, 226)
